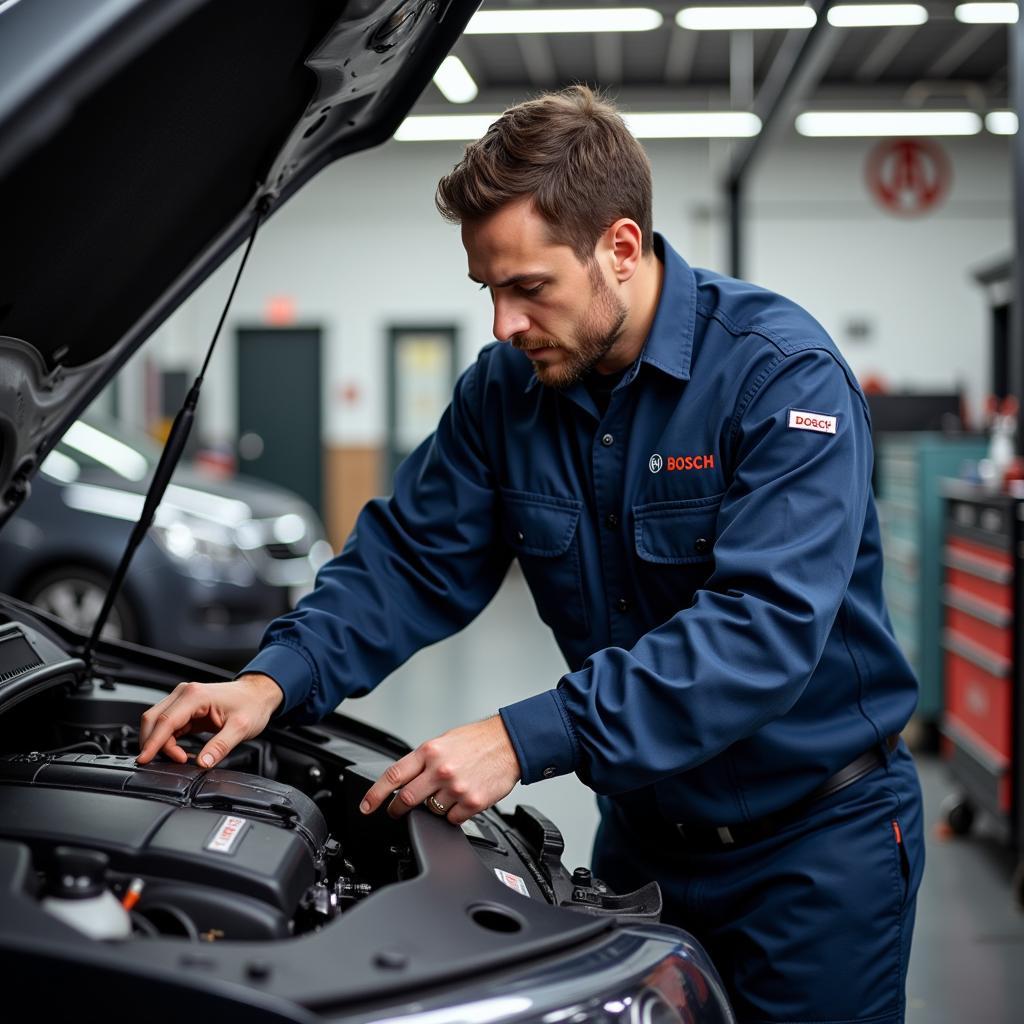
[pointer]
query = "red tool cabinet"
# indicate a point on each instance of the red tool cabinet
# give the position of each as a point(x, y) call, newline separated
point(983, 719)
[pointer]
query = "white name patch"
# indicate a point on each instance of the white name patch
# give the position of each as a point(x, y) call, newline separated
point(818, 421)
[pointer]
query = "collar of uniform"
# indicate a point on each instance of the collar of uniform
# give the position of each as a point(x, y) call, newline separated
point(669, 345)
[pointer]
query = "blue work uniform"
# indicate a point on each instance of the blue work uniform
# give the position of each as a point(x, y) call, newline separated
point(707, 554)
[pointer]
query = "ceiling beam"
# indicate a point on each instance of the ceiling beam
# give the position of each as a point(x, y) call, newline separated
point(682, 48)
point(947, 62)
point(882, 55)
point(741, 70)
point(608, 56)
point(800, 62)
point(830, 96)
point(540, 62)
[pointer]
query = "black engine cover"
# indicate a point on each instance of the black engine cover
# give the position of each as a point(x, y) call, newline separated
point(173, 823)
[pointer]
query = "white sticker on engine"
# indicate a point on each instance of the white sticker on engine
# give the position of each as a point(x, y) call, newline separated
point(512, 881)
point(818, 421)
point(228, 832)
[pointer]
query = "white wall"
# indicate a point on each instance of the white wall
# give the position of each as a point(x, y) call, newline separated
point(817, 236)
point(362, 248)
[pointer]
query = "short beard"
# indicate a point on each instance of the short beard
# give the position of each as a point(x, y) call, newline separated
point(594, 337)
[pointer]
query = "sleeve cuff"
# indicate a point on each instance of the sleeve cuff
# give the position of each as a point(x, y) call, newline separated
point(541, 735)
point(289, 669)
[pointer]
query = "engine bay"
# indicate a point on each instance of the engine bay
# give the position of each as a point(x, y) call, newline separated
point(248, 851)
point(185, 838)
point(267, 846)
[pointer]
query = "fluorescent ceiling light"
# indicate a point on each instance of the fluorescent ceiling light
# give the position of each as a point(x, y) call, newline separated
point(598, 19)
point(986, 14)
point(444, 127)
point(888, 122)
point(693, 124)
point(764, 16)
point(455, 82)
point(871, 15)
point(1001, 122)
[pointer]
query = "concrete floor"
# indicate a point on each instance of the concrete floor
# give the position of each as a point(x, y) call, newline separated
point(967, 965)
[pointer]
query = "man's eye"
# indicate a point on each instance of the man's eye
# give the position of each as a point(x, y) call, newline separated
point(535, 290)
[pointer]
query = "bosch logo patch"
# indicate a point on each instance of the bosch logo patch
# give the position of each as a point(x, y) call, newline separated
point(817, 421)
point(656, 463)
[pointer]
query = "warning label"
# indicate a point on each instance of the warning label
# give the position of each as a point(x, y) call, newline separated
point(512, 881)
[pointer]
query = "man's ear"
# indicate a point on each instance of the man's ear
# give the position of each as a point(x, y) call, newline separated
point(623, 243)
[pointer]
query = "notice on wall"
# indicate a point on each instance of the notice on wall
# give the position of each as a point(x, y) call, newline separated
point(423, 380)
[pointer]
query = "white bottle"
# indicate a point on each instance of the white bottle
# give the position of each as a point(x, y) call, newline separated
point(1002, 443)
point(79, 895)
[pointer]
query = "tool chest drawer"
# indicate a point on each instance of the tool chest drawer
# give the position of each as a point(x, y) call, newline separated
point(986, 627)
point(979, 693)
point(986, 574)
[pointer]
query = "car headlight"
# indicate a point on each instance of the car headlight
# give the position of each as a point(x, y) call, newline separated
point(652, 975)
point(186, 538)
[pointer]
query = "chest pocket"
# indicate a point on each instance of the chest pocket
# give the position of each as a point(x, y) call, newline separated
point(542, 531)
point(675, 543)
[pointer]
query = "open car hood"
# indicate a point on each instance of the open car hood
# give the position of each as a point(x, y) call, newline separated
point(138, 140)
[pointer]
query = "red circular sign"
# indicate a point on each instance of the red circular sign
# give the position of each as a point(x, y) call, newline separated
point(908, 177)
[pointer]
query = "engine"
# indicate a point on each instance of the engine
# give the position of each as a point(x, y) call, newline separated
point(201, 854)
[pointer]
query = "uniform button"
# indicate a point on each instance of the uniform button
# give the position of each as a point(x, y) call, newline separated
point(607, 440)
point(520, 536)
point(548, 772)
point(702, 545)
point(622, 604)
point(611, 520)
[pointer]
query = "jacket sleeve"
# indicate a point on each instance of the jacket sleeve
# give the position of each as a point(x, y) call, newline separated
point(418, 567)
point(789, 529)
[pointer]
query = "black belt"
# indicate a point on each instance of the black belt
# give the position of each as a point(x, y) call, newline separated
point(723, 837)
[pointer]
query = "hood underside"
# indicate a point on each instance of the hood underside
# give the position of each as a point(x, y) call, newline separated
point(138, 138)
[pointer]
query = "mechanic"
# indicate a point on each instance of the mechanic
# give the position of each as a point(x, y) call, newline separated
point(681, 463)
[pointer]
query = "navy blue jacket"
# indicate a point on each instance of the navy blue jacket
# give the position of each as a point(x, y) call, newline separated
point(707, 554)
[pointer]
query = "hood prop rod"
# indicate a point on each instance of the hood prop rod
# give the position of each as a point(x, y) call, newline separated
point(169, 458)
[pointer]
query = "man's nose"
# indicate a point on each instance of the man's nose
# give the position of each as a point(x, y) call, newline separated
point(508, 321)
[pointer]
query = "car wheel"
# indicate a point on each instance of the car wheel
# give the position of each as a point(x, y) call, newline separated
point(75, 594)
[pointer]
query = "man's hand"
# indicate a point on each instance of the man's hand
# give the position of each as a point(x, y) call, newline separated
point(465, 771)
point(235, 711)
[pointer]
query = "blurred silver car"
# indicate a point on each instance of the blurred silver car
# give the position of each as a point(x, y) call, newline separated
point(223, 558)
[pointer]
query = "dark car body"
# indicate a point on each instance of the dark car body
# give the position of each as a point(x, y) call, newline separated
point(224, 557)
point(140, 142)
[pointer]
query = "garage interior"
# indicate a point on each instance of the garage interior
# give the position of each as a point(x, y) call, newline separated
point(866, 164)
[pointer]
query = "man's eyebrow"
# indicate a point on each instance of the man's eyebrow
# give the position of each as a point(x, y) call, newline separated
point(514, 279)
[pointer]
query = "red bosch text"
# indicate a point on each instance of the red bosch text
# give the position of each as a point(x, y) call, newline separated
point(679, 462)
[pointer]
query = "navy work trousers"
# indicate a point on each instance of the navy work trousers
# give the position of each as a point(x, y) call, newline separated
point(812, 924)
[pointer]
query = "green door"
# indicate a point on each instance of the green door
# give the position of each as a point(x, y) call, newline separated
point(279, 428)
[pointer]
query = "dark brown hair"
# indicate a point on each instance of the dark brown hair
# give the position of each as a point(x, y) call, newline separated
point(570, 151)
